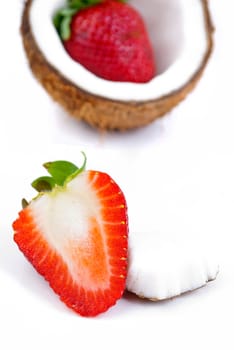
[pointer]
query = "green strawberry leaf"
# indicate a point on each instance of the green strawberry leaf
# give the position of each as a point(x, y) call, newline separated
point(65, 31)
point(60, 170)
point(43, 184)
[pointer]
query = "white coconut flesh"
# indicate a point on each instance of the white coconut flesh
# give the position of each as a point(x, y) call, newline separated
point(162, 267)
point(177, 29)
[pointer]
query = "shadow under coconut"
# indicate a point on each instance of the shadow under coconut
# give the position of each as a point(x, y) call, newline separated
point(69, 130)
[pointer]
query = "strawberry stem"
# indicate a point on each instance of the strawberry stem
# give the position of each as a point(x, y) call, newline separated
point(78, 171)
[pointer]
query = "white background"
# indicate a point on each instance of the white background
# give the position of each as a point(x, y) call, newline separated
point(190, 154)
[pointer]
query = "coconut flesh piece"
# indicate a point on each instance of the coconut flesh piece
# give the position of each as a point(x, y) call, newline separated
point(181, 34)
point(162, 267)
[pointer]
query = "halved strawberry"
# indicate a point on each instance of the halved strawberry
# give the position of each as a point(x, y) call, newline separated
point(75, 234)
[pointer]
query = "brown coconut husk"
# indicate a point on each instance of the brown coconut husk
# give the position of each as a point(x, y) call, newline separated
point(101, 112)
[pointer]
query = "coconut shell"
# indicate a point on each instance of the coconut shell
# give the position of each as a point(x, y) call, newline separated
point(101, 112)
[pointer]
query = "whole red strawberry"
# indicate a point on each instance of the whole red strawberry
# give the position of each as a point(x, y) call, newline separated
point(75, 234)
point(109, 38)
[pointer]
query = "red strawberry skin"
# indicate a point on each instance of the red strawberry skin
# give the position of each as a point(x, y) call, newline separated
point(95, 278)
point(110, 40)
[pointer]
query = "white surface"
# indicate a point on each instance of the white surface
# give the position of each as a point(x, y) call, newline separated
point(193, 152)
point(184, 57)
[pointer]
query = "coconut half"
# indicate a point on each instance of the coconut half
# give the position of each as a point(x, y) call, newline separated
point(181, 35)
point(162, 267)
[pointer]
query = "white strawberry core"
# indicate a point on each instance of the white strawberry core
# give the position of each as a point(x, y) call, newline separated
point(178, 35)
point(161, 267)
point(64, 217)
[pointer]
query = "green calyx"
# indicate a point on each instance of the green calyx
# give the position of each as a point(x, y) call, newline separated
point(61, 172)
point(62, 18)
